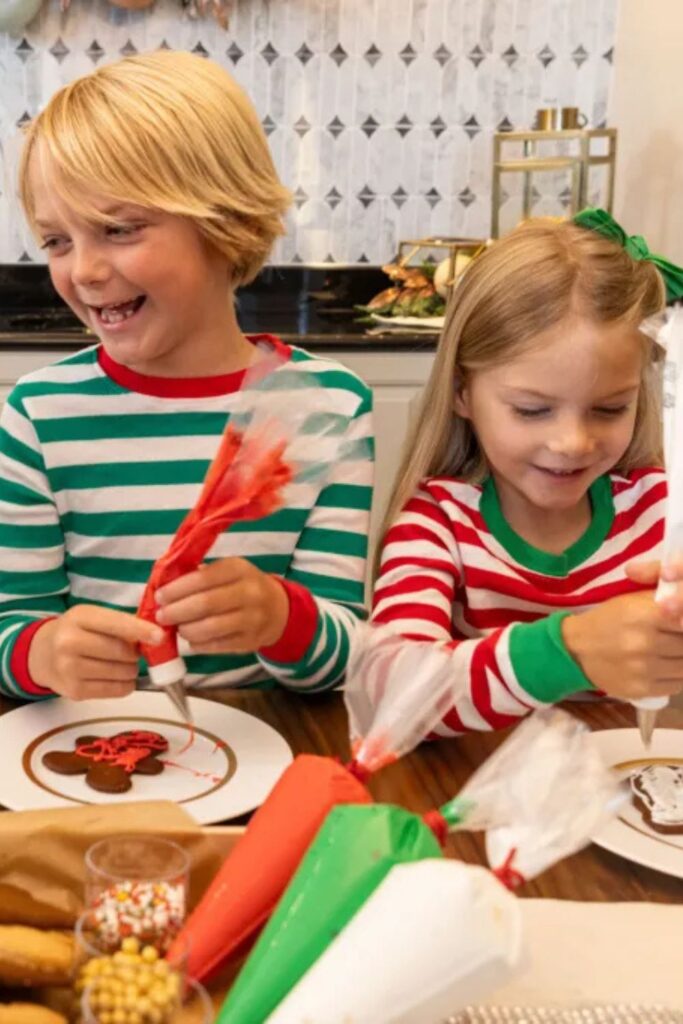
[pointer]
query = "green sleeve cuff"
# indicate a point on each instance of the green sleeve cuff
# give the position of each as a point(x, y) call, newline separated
point(543, 665)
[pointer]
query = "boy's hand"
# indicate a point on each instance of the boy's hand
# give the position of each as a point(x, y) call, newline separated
point(227, 607)
point(89, 652)
point(628, 646)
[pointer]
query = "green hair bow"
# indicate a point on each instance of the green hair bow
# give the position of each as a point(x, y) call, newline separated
point(635, 245)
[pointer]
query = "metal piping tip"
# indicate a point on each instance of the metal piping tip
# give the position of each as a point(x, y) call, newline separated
point(647, 719)
point(178, 697)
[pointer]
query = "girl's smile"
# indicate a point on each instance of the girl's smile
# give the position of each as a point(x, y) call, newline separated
point(553, 419)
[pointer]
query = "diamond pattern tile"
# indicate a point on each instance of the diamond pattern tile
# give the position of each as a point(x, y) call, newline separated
point(399, 197)
point(408, 54)
point(510, 56)
point(59, 50)
point(546, 56)
point(333, 198)
point(336, 127)
point(369, 126)
point(438, 126)
point(419, 91)
point(95, 52)
point(269, 53)
point(472, 126)
point(367, 196)
point(580, 55)
point(24, 50)
point(302, 127)
point(300, 197)
point(372, 55)
point(304, 53)
point(339, 55)
point(404, 125)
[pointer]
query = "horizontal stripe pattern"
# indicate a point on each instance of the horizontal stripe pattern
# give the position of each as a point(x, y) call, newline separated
point(95, 479)
point(445, 578)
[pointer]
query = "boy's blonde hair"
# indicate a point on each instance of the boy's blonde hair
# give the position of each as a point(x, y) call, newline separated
point(524, 284)
point(169, 131)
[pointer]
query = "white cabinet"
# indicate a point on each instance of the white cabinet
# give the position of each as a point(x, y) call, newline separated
point(397, 380)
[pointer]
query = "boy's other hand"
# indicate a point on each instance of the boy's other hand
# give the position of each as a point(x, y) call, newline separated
point(90, 652)
point(227, 607)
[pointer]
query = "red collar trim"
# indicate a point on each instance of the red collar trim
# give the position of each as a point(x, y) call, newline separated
point(184, 387)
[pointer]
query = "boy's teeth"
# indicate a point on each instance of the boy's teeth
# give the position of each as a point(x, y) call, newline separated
point(121, 311)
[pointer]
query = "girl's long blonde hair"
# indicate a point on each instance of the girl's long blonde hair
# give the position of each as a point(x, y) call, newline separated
point(169, 131)
point(525, 284)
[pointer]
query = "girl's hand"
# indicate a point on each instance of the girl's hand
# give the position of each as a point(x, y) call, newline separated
point(227, 607)
point(628, 646)
point(648, 573)
point(90, 652)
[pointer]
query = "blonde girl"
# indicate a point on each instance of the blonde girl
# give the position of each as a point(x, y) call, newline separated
point(533, 482)
point(150, 187)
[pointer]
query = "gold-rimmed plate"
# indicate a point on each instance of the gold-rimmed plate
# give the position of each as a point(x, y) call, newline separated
point(228, 770)
point(629, 835)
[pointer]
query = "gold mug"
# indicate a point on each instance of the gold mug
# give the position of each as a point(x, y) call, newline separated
point(572, 118)
point(546, 119)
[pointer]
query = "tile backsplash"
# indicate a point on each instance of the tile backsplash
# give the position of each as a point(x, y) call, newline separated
point(380, 113)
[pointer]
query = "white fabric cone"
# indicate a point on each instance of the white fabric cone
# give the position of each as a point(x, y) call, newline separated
point(435, 936)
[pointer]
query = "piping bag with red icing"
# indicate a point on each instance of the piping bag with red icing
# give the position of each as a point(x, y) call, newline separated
point(539, 798)
point(396, 692)
point(270, 441)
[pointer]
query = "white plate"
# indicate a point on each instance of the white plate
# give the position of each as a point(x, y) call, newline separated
point(434, 323)
point(230, 768)
point(629, 835)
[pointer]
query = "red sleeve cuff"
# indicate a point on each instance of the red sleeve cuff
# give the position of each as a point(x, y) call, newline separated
point(18, 665)
point(302, 623)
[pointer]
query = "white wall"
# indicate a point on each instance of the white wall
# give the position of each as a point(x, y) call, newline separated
point(646, 105)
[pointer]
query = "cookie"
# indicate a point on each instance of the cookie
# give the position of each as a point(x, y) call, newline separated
point(32, 957)
point(109, 762)
point(65, 762)
point(108, 778)
point(657, 792)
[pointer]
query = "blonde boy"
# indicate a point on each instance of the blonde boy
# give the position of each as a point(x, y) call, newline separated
point(150, 185)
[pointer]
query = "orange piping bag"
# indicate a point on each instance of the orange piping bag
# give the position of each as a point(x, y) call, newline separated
point(247, 887)
point(245, 481)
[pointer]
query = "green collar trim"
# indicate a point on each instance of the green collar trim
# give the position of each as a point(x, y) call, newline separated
point(602, 505)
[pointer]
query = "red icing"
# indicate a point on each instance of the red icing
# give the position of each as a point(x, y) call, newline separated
point(508, 874)
point(125, 750)
point(245, 481)
point(193, 771)
point(190, 739)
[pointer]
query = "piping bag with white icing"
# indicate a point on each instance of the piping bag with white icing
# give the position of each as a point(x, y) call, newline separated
point(667, 330)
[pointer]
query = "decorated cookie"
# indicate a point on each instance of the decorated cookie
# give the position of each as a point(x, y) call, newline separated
point(657, 791)
point(109, 762)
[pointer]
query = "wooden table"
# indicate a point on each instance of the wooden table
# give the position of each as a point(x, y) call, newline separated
point(436, 771)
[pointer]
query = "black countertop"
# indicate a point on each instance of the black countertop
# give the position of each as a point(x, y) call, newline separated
point(311, 306)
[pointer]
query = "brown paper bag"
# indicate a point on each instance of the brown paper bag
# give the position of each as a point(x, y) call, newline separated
point(42, 855)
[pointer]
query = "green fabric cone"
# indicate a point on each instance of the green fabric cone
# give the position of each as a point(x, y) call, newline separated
point(355, 848)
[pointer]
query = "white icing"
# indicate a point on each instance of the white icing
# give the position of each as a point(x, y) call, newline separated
point(660, 787)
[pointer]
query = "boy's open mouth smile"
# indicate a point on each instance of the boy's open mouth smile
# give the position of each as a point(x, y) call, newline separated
point(116, 313)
